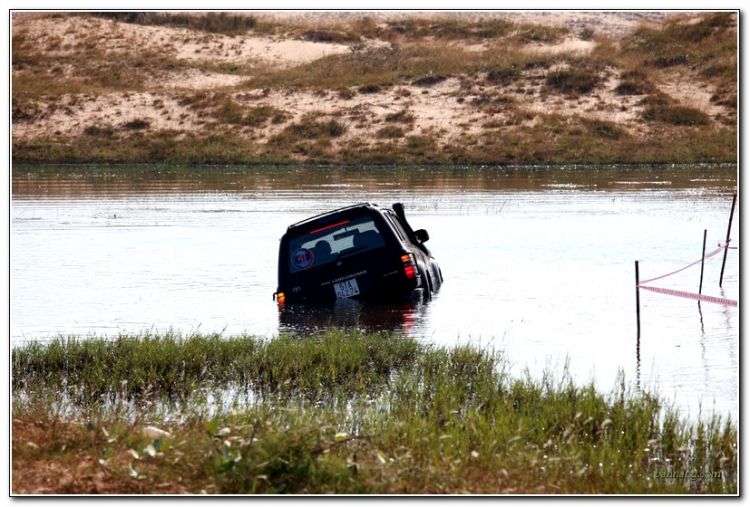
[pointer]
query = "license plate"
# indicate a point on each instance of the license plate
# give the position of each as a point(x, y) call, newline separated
point(346, 289)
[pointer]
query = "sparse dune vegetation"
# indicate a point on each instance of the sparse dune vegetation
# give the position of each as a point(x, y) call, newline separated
point(481, 88)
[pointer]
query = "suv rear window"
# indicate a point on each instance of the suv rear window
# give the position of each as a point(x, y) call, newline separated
point(333, 242)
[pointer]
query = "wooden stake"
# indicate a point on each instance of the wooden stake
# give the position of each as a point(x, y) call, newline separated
point(726, 248)
point(638, 300)
point(703, 260)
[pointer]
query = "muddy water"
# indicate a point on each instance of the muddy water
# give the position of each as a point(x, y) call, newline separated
point(538, 262)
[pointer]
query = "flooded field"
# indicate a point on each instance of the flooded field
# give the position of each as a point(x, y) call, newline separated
point(538, 262)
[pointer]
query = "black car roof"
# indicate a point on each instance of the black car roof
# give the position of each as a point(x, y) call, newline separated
point(363, 205)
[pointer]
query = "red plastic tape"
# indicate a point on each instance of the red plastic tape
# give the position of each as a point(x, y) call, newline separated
point(708, 255)
point(690, 295)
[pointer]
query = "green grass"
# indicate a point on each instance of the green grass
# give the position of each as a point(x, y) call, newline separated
point(342, 412)
point(173, 365)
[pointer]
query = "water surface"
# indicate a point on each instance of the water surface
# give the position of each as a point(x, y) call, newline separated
point(538, 262)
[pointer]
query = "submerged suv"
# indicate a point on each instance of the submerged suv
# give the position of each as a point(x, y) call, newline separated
point(361, 251)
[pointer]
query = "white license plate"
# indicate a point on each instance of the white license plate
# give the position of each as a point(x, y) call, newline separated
point(346, 289)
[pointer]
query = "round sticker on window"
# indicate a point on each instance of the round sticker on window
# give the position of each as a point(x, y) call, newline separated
point(302, 258)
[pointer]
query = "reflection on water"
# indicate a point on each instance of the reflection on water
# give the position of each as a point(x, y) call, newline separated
point(538, 262)
point(349, 313)
point(120, 181)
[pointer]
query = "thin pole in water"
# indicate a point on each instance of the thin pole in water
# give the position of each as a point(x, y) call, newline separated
point(726, 246)
point(703, 260)
point(638, 335)
point(638, 301)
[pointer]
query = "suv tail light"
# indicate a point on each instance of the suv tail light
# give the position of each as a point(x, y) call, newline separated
point(410, 267)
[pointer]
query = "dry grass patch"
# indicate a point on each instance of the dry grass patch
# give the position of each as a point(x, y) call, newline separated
point(390, 132)
point(635, 82)
point(676, 115)
point(579, 77)
point(403, 116)
point(212, 22)
point(528, 33)
point(225, 108)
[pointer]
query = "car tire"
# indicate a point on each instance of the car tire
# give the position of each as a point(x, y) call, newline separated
point(435, 276)
point(427, 289)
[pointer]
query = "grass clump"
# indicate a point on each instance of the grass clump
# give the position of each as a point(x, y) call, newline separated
point(504, 76)
point(539, 33)
point(173, 365)
point(725, 69)
point(369, 88)
point(223, 108)
point(311, 128)
point(676, 115)
point(401, 116)
point(429, 80)
point(677, 32)
point(573, 81)
point(369, 67)
point(212, 22)
point(166, 146)
point(390, 132)
point(137, 124)
point(635, 82)
point(258, 116)
point(341, 412)
point(99, 130)
point(605, 129)
point(449, 29)
point(92, 72)
point(331, 36)
point(493, 102)
point(697, 45)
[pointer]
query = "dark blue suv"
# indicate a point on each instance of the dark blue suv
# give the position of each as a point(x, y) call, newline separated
point(362, 252)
